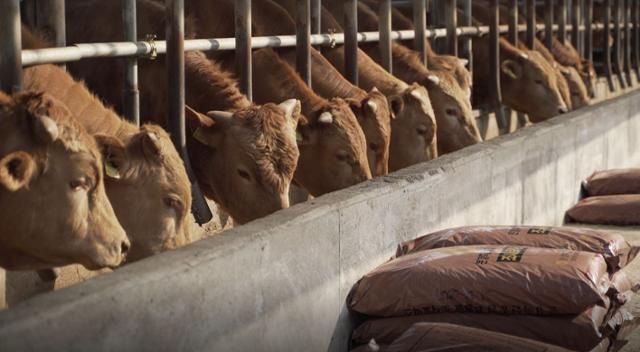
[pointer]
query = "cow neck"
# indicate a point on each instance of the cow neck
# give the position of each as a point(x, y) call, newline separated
point(210, 87)
point(373, 75)
point(84, 106)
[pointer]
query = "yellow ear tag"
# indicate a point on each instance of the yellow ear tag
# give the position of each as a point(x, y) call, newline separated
point(299, 137)
point(200, 136)
point(111, 170)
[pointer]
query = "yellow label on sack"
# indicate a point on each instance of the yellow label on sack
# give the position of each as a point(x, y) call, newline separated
point(511, 254)
point(111, 170)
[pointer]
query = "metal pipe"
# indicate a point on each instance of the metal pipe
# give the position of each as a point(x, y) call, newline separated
point(420, 25)
point(316, 13)
point(617, 50)
point(627, 40)
point(303, 40)
point(243, 46)
point(130, 92)
point(548, 23)
point(451, 23)
point(10, 41)
point(607, 49)
point(562, 21)
point(494, 63)
point(176, 101)
point(513, 22)
point(50, 19)
point(636, 38)
point(467, 43)
point(531, 23)
point(351, 40)
point(575, 24)
point(588, 33)
point(384, 26)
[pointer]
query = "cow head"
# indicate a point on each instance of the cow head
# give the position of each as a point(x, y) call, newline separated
point(54, 207)
point(457, 68)
point(530, 85)
point(245, 160)
point(413, 128)
point(374, 117)
point(148, 187)
point(333, 150)
point(577, 88)
point(452, 107)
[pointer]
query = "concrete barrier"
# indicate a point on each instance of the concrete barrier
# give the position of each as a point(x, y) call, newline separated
point(279, 283)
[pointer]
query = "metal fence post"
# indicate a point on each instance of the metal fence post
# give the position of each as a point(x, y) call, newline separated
point(513, 22)
point(420, 24)
point(575, 24)
point(303, 40)
point(531, 23)
point(351, 40)
point(494, 63)
point(451, 22)
point(243, 46)
point(617, 42)
point(176, 100)
point(50, 19)
point(607, 49)
point(562, 21)
point(588, 34)
point(384, 26)
point(636, 38)
point(467, 42)
point(316, 11)
point(10, 41)
point(548, 23)
point(627, 41)
point(131, 94)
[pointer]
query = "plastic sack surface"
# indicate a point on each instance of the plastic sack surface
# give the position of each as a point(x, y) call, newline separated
point(610, 182)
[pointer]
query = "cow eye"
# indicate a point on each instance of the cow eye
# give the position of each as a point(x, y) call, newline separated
point(452, 112)
point(244, 174)
point(373, 146)
point(538, 81)
point(80, 184)
point(342, 155)
point(422, 130)
point(173, 203)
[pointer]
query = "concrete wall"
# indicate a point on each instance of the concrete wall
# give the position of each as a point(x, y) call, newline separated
point(279, 283)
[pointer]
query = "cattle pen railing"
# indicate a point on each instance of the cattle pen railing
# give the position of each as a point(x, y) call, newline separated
point(619, 16)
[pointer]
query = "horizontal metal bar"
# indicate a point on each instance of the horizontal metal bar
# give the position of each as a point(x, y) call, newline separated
point(128, 49)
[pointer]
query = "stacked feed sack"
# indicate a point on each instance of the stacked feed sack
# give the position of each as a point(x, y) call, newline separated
point(610, 197)
point(556, 285)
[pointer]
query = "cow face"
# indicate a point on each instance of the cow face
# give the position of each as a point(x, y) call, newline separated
point(529, 85)
point(457, 68)
point(333, 150)
point(456, 125)
point(413, 130)
point(148, 187)
point(54, 207)
point(374, 117)
point(245, 161)
point(577, 89)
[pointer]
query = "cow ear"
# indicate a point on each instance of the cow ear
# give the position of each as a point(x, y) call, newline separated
point(511, 69)
point(292, 110)
point(16, 170)
point(396, 104)
point(204, 131)
point(45, 129)
point(114, 155)
point(463, 62)
point(151, 145)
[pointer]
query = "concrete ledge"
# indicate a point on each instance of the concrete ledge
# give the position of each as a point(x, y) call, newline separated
point(279, 283)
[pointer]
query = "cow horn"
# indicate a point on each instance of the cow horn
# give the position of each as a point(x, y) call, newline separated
point(291, 107)
point(433, 78)
point(464, 62)
point(325, 117)
point(524, 55)
point(416, 94)
point(220, 116)
point(372, 105)
point(375, 89)
point(45, 129)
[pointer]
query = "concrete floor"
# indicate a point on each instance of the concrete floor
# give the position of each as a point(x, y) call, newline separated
point(632, 234)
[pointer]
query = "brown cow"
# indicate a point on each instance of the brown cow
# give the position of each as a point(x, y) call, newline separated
point(244, 162)
point(54, 207)
point(332, 144)
point(133, 155)
point(567, 55)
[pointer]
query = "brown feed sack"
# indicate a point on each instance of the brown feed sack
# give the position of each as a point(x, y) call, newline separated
point(621, 210)
point(576, 332)
point(615, 249)
point(611, 182)
point(453, 338)
point(484, 279)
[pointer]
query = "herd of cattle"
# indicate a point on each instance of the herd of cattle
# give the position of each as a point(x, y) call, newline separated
point(79, 184)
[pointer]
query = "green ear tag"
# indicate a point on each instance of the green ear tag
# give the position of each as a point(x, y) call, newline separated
point(200, 136)
point(299, 137)
point(111, 170)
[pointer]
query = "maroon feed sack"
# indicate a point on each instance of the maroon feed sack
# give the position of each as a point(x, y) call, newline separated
point(610, 182)
point(622, 210)
point(453, 338)
point(615, 249)
point(484, 279)
point(578, 332)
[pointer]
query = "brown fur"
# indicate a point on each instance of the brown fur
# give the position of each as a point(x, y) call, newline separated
point(44, 154)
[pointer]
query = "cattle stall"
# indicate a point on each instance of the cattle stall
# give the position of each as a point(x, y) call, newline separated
point(448, 26)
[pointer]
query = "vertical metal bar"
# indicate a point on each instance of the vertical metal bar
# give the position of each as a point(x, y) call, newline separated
point(627, 40)
point(351, 40)
point(243, 46)
point(548, 23)
point(494, 62)
point(316, 10)
point(420, 23)
point(10, 41)
point(451, 23)
point(513, 22)
point(467, 42)
point(617, 37)
point(531, 23)
point(303, 40)
point(575, 24)
point(636, 38)
point(562, 21)
point(606, 4)
point(130, 90)
point(50, 19)
point(384, 26)
point(588, 33)
point(176, 100)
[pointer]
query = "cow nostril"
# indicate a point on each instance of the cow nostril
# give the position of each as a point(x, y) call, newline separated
point(124, 247)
